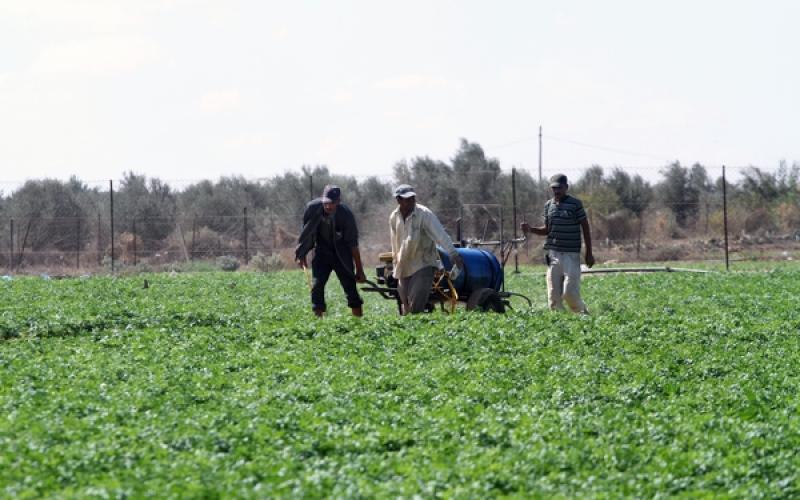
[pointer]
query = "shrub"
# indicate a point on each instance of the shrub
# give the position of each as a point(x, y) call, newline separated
point(759, 222)
point(789, 215)
point(668, 253)
point(264, 263)
point(228, 263)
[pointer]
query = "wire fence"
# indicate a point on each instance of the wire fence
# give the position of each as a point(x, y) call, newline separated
point(79, 245)
point(173, 234)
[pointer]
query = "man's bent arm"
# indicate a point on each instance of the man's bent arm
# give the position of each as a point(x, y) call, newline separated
point(540, 230)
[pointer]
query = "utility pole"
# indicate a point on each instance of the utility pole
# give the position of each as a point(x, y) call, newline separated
point(111, 210)
point(540, 154)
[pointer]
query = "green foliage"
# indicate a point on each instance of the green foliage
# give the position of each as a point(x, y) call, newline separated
point(681, 190)
point(219, 206)
point(221, 385)
point(476, 175)
point(471, 178)
point(633, 193)
point(760, 188)
point(48, 213)
point(433, 181)
point(145, 208)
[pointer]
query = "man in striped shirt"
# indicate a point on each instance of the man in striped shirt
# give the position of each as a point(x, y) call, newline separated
point(564, 221)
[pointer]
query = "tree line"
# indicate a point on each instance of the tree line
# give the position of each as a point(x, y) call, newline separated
point(685, 201)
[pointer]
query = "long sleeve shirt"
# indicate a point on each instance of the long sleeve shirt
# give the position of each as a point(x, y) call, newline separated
point(320, 230)
point(414, 240)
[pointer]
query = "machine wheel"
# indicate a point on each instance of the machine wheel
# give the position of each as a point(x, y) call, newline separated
point(485, 299)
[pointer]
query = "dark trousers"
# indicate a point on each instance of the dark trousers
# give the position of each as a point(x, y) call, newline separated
point(322, 264)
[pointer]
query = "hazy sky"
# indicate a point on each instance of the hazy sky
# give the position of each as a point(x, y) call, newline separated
point(192, 89)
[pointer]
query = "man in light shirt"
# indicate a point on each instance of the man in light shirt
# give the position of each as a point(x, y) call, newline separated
point(415, 232)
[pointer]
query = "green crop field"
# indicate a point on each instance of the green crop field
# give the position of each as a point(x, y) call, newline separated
point(223, 385)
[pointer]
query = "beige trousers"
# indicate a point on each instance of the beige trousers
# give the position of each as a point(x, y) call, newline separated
point(564, 281)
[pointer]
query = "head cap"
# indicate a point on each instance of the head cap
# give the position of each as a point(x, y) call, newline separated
point(331, 194)
point(558, 180)
point(404, 191)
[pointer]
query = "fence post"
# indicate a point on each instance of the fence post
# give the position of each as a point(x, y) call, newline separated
point(246, 249)
point(194, 233)
point(99, 241)
point(274, 233)
point(11, 248)
point(502, 244)
point(639, 238)
point(514, 205)
point(183, 238)
point(78, 244)
point(24, 242)
point(111, 203)
point(134, 242)
point(725, 216)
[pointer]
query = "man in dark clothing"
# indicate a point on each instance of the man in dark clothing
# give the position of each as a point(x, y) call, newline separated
point(329, 227)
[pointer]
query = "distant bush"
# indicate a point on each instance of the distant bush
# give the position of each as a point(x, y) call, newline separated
point(228, 263)
point(264, 263)
point(668, 253)
point(205, 243)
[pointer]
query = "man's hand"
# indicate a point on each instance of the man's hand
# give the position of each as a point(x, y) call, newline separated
point(301, 262)
point(589, 259)
point(537, 230)
point(360, 276)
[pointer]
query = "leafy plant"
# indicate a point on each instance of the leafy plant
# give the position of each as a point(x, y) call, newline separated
point(217, 385)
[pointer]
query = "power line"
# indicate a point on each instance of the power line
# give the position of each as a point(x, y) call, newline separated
point(605, 148)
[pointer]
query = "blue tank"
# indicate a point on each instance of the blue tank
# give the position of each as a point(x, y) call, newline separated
point(481, 270)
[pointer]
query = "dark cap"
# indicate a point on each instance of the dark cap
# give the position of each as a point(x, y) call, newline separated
point(331, 194)
point(404, 191)
point(558, 180)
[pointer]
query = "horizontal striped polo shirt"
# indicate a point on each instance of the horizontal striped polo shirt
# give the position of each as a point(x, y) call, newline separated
point(563, 221)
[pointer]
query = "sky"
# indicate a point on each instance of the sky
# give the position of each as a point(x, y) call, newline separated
point(185, 90)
